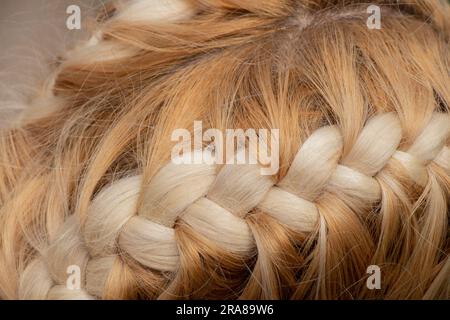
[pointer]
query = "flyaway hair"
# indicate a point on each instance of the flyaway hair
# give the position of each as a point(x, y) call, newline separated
point(86, 177)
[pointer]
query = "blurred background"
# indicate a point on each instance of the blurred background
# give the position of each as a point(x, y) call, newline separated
point(32, 34)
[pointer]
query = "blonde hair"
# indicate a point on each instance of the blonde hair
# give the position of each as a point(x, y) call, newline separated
point(363, 115)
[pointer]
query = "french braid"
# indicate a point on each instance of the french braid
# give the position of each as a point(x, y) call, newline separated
point(364, 173)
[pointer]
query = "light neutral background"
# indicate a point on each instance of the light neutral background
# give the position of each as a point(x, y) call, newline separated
point(32, 34)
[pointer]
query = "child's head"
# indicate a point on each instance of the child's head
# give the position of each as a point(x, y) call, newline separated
point(350, 100)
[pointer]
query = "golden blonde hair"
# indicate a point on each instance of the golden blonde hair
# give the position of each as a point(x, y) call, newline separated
point(86, 179)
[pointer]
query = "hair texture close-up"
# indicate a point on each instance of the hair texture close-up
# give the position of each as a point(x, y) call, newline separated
point(87, 177)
